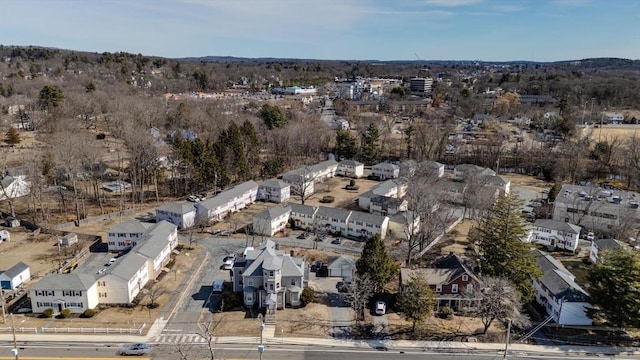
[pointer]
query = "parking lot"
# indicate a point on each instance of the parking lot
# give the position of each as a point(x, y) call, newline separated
point(98, 263)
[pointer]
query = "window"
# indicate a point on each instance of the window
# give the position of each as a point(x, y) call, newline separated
point(270, 273)
point(465, 277)
point(438, 288)
point(294, 297)
point(270, 286)
point(469, 288)
point(454, 288)
point(250, 282)
point(293, 282)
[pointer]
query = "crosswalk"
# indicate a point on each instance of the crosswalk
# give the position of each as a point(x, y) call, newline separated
point(179, 339)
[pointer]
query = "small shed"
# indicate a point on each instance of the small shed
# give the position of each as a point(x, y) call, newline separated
point(11, 222)
point(15, 276)
point(68, 239)
point(5, 235)
point(341, 266)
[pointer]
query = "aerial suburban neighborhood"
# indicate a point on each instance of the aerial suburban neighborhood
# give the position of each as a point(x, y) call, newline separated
point(221, 207)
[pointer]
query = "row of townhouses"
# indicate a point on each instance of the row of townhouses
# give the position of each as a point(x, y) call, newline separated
point(353, 224)
point(117, 284)
point(303, 180)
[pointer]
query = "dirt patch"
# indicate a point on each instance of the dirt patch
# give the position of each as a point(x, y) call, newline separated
point(528, 182)
point(459, 238)
point(310, 321)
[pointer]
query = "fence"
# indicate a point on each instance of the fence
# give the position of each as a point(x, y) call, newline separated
point(82, 330)
point(20, 329)
point(94, 219)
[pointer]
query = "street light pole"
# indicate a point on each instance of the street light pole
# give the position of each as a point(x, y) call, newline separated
point(262, 327)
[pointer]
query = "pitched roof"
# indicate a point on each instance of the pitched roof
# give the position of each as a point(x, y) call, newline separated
point(130, 226)
point(303, 209)
point(350, 163)
point(560, 282)
point(386, 165)
point(274, 183)
point(558, 225)
point(386, 201)
point(341, 262)
point(273, 212)
point(127, 267)
point(16, 269)
point(366, 217)
point(609, 244)
point(270, 259)
point(430, 164)
point(177, 207)
point(64, 282)
point(226, 196)
point(333, 213)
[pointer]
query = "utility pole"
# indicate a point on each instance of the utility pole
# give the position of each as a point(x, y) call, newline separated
point(506, 344)
point(262, 327)
point(13, 332)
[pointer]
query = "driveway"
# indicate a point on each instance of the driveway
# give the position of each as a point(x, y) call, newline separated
point(339, 311)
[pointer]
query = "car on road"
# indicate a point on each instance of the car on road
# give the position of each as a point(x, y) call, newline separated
point(381, 308)
point(135, 349)
point(111, 262)
point(337, 241)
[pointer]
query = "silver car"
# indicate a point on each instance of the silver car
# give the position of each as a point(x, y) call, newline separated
point(135, 349)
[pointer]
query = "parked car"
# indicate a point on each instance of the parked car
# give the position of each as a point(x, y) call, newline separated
point(529, 213)
point(193, 198)
point(302, 236)
point(135, 349)
point(111, 262)
point(337, 241)
point(224, 233)
point(381, 308)
point(228, 264)
point(591, 236)
point(218, 286)
point(230, 256)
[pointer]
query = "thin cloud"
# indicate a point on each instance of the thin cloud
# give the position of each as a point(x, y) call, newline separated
point(508, 8)
point(572, 2)
point(451, 3)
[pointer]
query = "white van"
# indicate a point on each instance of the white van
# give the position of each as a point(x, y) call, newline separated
point(228, 264)
point(218, 286)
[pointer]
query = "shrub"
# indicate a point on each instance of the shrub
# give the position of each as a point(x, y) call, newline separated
point(352, 183)
point(230, 300)
point(88, 313)
point(327, 199)
point(446, 313)
point(308, 296)
point(101, 136)
point(48, 312)
point(65, 313)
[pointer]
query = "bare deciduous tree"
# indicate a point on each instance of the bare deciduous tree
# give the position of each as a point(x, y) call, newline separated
point(499, 300)
point(359, 292)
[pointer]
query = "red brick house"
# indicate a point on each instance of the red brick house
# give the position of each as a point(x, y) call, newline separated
point(451, 280)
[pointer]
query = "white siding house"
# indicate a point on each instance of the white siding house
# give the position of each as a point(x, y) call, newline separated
point(431, 169)
point(181, 214)
point(303, 216)
point(384, 171)
point(76, 292)
point(271, 221)
point(17, 275)
point(598, 246)
point(558, 234)
point(123, 283)
point(274, 191)
point(126, 234)
point(557, 291)
point(231, 200)
point(363, 225)
point(350, 168)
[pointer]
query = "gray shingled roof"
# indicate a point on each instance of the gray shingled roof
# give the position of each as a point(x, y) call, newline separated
point(227, 195)
point(177, 207)
point(64, 282)
point(430, 164)
point(558, 225)
point(386, 201)
point(16, 269)
point(341, 262)
point(335, 213)
point(131, 226)
point(274, 183)
point(155, 240)
point(559, 280)
point(609, 244)
point(270, 259)
point(366, 217)
point(386, 165)
point(350, 163)
point(128, 266)
point(273, 212)
point(303, 209)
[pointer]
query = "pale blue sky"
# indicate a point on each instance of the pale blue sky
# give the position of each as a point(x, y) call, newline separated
point(538, 30)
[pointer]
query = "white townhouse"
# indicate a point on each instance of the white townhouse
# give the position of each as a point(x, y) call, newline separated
point(598, 246)
point(181, 214)
point(76, 292)
point(271, 221)
point(269, 278)
point(161, 240)
point(126, 234)
point(274, 190)
point(332, 220)
point(350, 168)
point(302, 180)
point(124, 281)
point(431, 169)
point(557, 234)
point(13, 278)
point(394, 188)
point(303, 216)
point(231, 200)
point(403, 225)
point(385, 170)
point(557, 291)
point(503, 185)
point(387, 206)
point(363, 225)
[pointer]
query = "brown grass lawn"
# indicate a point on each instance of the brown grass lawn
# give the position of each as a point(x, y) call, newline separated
point(621, 133)
point(529, 182)
point(458, 238)
point(310, 321)
point(335, 187)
